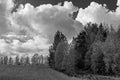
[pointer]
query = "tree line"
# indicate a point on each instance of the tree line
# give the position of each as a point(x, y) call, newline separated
point(96, 50)
point(34, 60)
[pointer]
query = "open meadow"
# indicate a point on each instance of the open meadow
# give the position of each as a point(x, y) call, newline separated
point(41, 72)
point(30, 73)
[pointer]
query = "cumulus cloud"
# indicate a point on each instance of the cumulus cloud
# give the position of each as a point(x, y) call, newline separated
point(46, 19)
point(15, 46)
point(33, 28)
point(3, 45)
point(118, 2)
point(5, 8)
point(96, 13)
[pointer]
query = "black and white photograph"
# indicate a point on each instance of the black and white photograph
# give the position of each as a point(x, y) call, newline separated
point(59, 39)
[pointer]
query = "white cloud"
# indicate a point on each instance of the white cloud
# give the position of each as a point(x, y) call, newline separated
point(118, 2)
point(3, 45)
point(36, 43)
point(33, 28)
point(15, 46)
point(96, 13)
point(46, 19)
point(5, 9)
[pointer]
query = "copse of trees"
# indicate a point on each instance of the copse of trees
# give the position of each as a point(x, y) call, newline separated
point(34, 60)
point(96, 49)
point(111, 49)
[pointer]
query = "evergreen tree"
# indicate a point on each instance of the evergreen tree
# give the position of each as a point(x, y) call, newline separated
point(5, 60)
point(94, 33)
point(81, 47)
point(59, 36)
point(51, 58)
point(116, 66)
point(35, 59)
point(22, 61)
point(101, 34)
point(68, 64)
point(59, 55)
point(41, 59)
point(10, 61)
point(91, 32)
point(27, 61)
point(88, 59)
point(111, 49)
point(17, 62)
point(2, 60)
point(97, 59)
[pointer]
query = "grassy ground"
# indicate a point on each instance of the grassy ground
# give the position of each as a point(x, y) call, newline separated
point(41, 72)
point(30, 73)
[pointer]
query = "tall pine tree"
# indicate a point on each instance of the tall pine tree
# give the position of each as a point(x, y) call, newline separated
point(81, 48)
point(59, 36)
point(61, 51)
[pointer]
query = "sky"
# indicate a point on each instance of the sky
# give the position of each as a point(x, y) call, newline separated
point(28, 26)
point(79, 3)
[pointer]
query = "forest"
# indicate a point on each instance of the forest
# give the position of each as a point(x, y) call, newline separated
point(95, 50)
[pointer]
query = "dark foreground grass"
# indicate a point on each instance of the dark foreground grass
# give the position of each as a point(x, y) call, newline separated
point(41, 72)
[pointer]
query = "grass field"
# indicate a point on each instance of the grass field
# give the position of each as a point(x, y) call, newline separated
point(31, 73)
point(41, 72)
